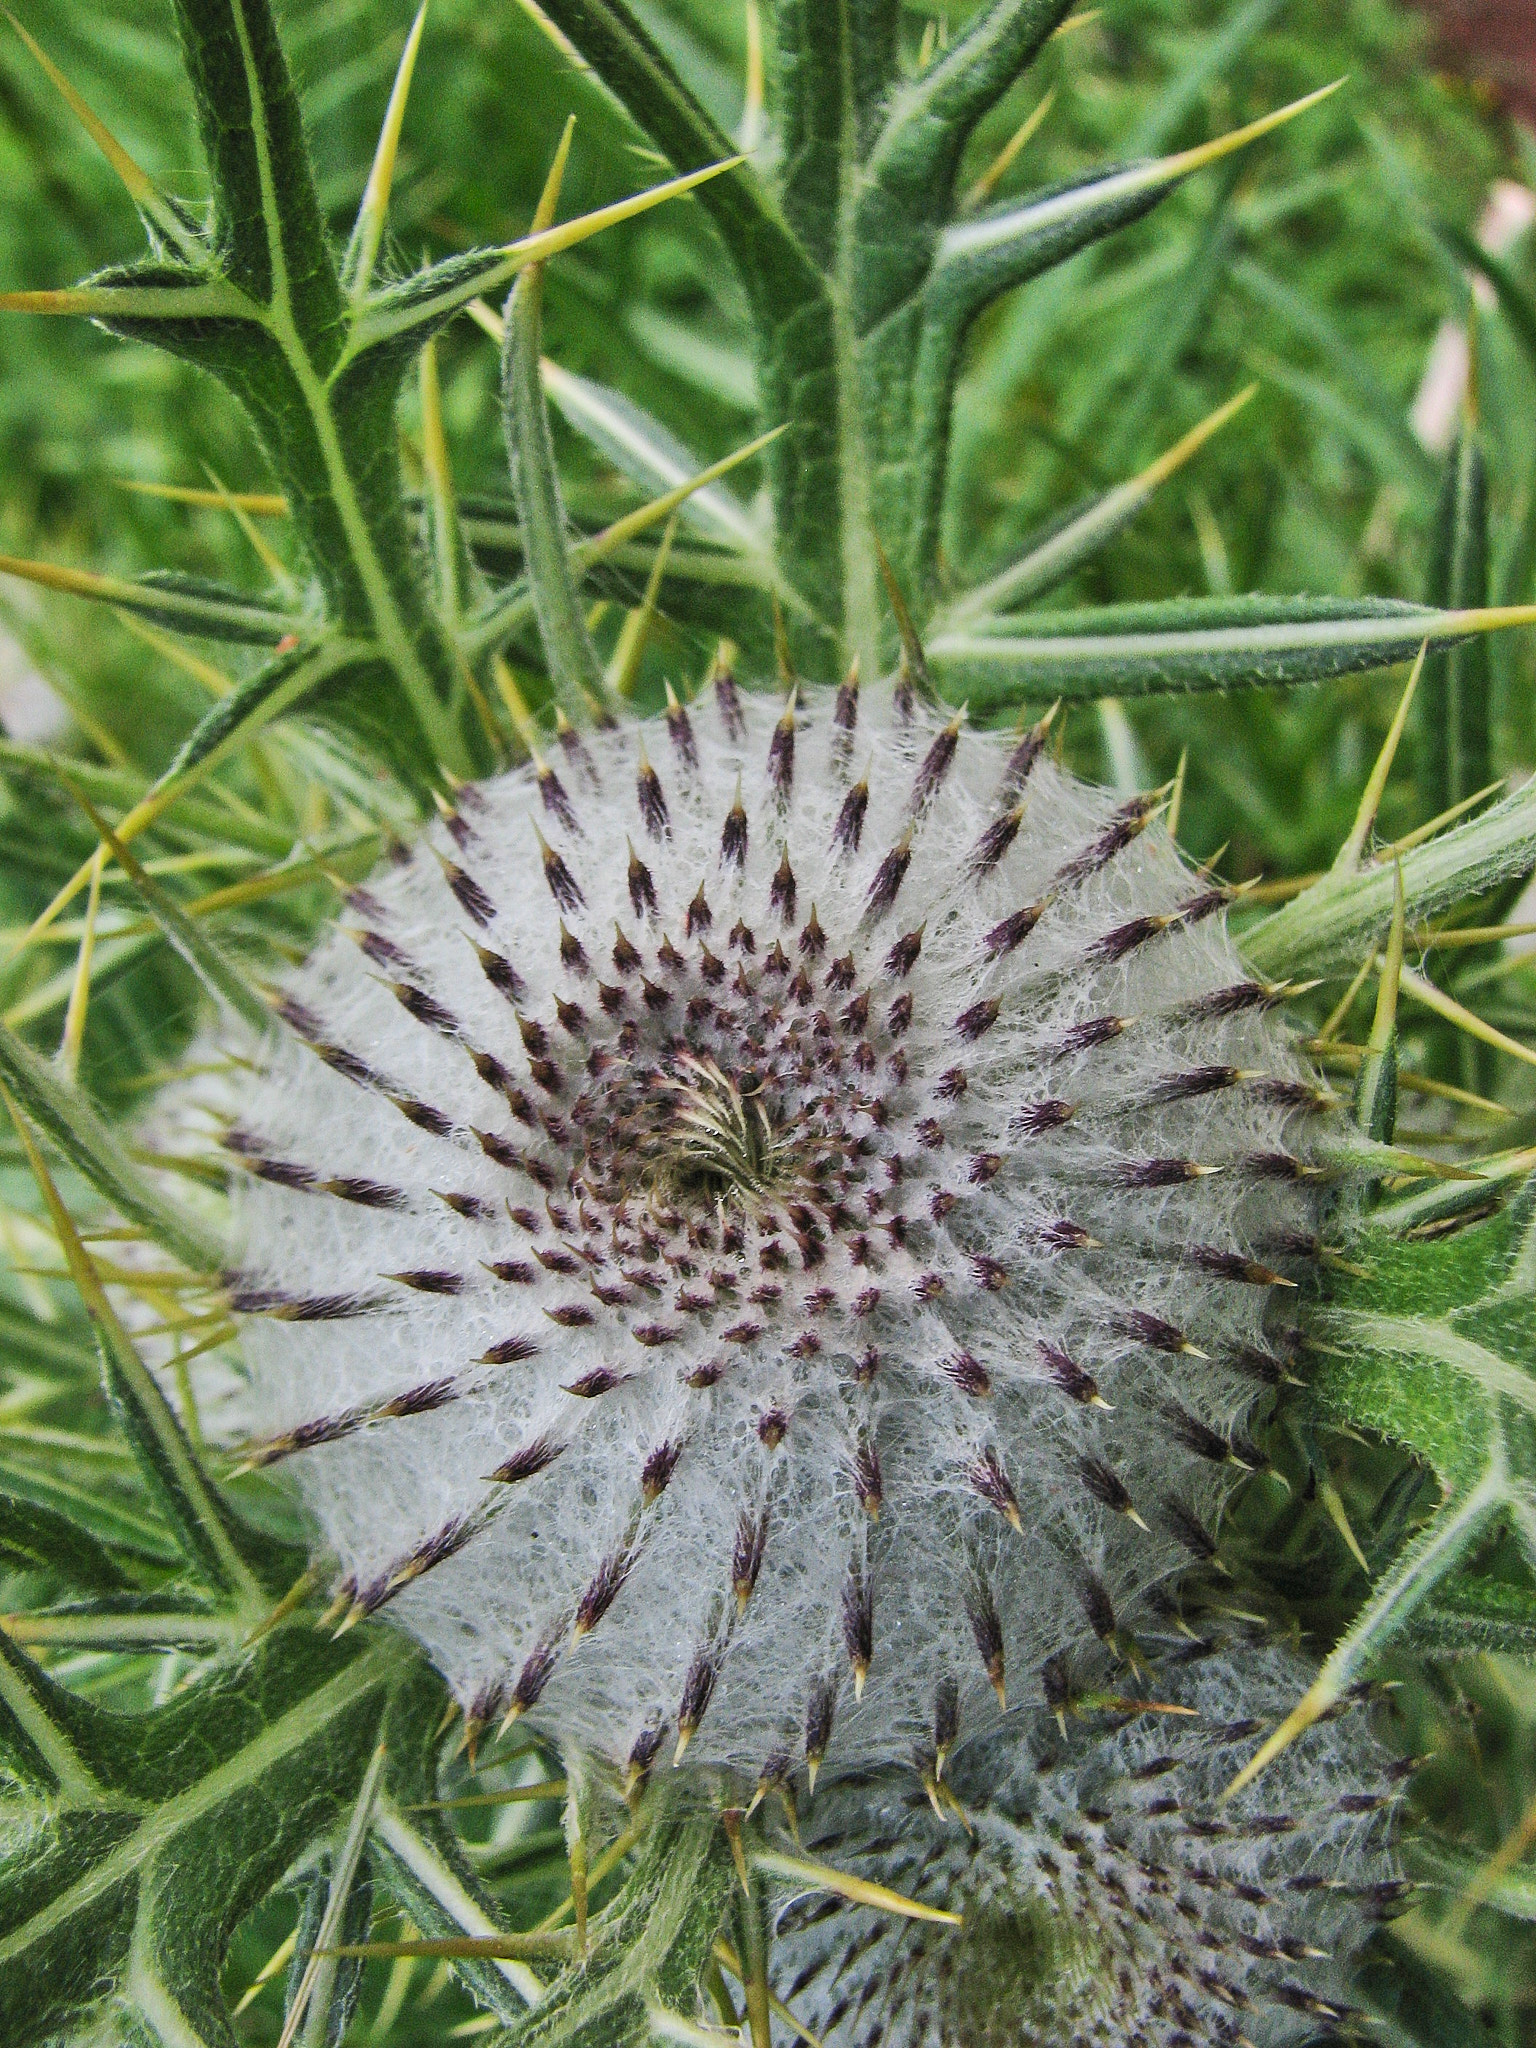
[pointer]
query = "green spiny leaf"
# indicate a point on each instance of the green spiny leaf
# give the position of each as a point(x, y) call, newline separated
point(1341, 913)
point(1189, 644)
point(651, 1943)
point(187, 1497)
point(65, 1117)
point(170, 1826)
point(268, 233)
point(916, 154)
point(1433, 1349)
point(183, 603)
point(1453, 703)
point(573, 663)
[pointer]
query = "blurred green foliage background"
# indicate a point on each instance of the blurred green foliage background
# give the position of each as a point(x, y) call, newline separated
point(1315, 266)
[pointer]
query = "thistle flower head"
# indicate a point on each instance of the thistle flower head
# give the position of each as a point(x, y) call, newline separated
point(1105, 1894)
point(759, 1234)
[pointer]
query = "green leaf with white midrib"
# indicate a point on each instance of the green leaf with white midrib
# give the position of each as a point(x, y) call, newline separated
point(574, 668)
point(174, 1823)
point(1331, 922)
point(1436, 1350)
point(1453, 707)
point(1432, 1347)
point(64, 1115)
point(650, 1942)
point(790, 300)
point(1184, 644)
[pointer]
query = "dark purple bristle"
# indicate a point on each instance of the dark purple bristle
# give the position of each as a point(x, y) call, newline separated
point(936, 765)
point(967, 1372)
point(1014, 929)
point(502, 975)
point(652, 801)
point(733, 836)
point(781, 755)
point(978, 1020)
point(858, 1621)
point(781, 894)
point(889, 876)
point(556, 801)
point(642, 887)
point(602, 1590)
point(529, 1461)
point(472, 899)
point(849, 827)
point(1068, 1375)
point(562, 883)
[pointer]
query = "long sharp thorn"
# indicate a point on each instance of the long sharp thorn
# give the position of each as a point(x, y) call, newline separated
point(1022, 136)
point(278, 1960)
point(749, 131)
point(1189, 160)
point(576, 1848)
point(140, 187)
point(725, 1954)
point(549, 198)
point(1345, 1004)
point(435, 460)
point(802, 1870)
point(1464, 1019)
point(730, 1821)
point(636, 630)
point(80, 991)
point(1313, 1704)
point(1103, 517)
point(1422, 832)
point(1385, 1020)
point(911, 645)
point(263, 504)
point(1333, 1505)
point(374, 211)
point(1176, 800)
point(1348, 856)
point(214, 680)
point(268, 556)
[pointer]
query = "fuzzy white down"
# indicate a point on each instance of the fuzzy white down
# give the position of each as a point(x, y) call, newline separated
point(1108, 1896)
point(383, 1490)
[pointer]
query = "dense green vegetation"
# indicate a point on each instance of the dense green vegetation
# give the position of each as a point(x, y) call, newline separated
point(1319, 265)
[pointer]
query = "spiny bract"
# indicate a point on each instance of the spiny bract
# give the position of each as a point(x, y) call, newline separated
point(760, 1241)
point(1108, 1899)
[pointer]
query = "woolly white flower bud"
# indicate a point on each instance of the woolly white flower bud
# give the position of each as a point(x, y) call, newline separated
point(1106, 1895)
point(764, 1227)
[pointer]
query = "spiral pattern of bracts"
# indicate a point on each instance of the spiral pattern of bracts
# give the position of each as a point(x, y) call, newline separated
point(769, 1227)
point(1108, 1898)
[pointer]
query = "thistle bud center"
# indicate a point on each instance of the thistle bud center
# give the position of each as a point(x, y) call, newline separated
point(684, 1130)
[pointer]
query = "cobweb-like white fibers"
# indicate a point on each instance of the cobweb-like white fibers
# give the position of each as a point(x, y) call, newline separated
point(833, 1166)
point(1107, 1895)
